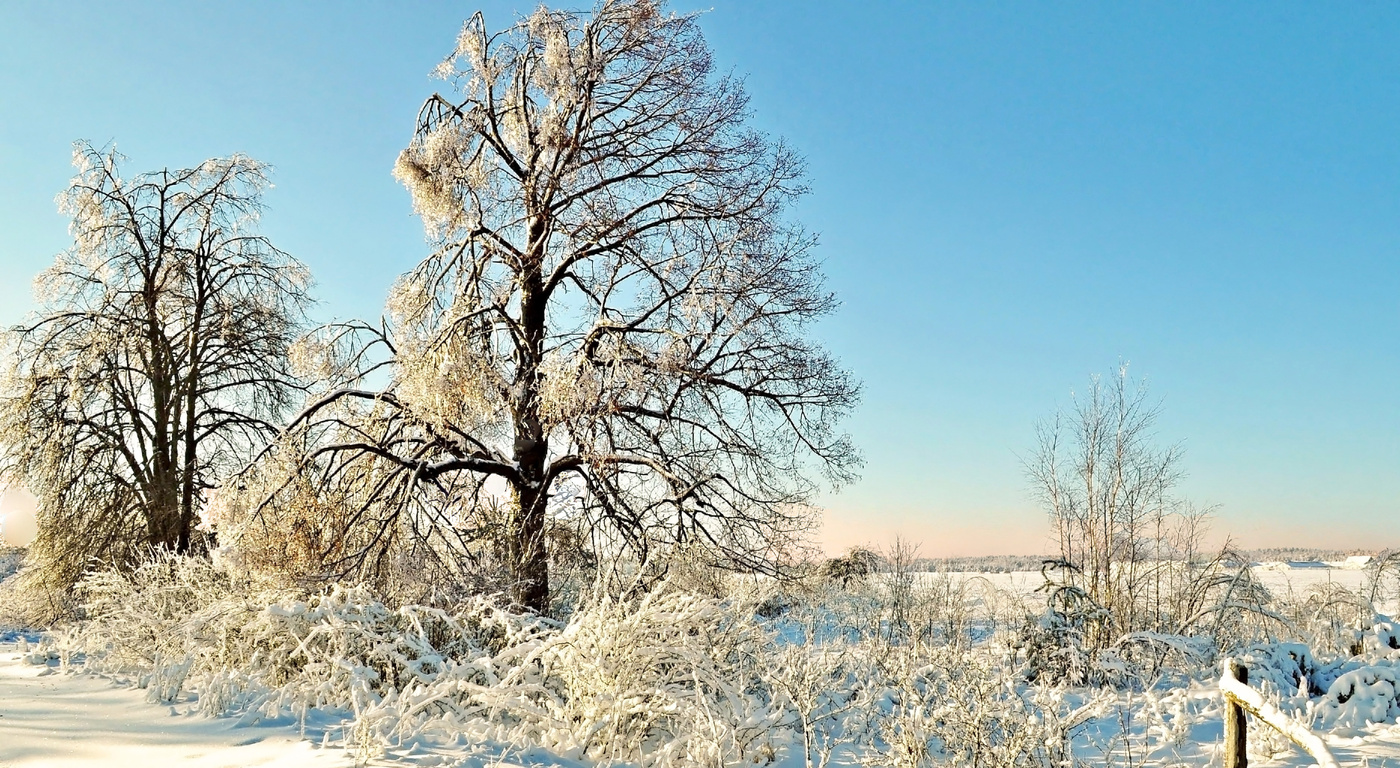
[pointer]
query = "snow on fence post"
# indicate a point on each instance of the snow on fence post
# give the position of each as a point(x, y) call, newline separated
point(1240, 698)
point(1236, 729)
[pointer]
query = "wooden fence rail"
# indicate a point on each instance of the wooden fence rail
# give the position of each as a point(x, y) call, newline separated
point(1239, 699)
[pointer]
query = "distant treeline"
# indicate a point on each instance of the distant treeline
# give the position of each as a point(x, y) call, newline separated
point(982, 564)
point(1302, 554)
point(1013, 563)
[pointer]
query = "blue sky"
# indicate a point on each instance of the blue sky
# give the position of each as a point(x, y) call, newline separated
point(1011, 197)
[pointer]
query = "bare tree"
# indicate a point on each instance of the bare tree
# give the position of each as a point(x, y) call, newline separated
point(1107, 486)
point(157, 362)
point(900, 558)
point(609, 334)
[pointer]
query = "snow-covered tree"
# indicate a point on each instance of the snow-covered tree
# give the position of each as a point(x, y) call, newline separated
point(156, 362)
point(1128, 542)
point(609, 334)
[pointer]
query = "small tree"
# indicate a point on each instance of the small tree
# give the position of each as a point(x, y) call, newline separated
point(1107, 486)
point(156, 363)
point(609, 334)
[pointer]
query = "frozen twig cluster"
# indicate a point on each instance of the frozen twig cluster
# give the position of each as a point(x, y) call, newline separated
point(667, 678)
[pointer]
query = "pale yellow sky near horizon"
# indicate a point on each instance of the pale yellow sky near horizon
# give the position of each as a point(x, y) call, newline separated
point(1026, 531)
point(841, 529)
point(983, 533)
point(1001, 533)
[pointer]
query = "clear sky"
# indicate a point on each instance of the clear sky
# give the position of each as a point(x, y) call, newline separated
point(1011, 197)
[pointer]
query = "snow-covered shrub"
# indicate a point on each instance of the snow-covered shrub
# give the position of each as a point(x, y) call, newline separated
point(1350, 691)
point(1189, 614)
point(1328, 618)
point(951, 706)
point(819, 610)
point(961, 610)
point(937, 609)
point(850, 568)
point(1057, 645)
point(674, 678)
point(21, 606)
point(1361, 696)
point(1284, 668)
point(167, 618)
point(1382, 578)
point(1228, 604)
point(30, 597)
point(670, 679)
point(666, 679)
point(174, 617)
point(1169, 716)
point(1385, 633)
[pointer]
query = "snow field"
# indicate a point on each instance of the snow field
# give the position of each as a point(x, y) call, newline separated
point(1284, 582)
point(65, 720)
point(669, 679)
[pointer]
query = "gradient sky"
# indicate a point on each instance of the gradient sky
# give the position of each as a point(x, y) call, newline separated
point(1011, 197)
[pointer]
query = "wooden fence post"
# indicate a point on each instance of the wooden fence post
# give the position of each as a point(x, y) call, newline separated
point(1236, 729)
point(1241, 699)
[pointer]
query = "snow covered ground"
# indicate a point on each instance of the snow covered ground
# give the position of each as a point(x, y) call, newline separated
point(1284, 580)
point(57, 720)
point(53, 719)
point(1276, 576)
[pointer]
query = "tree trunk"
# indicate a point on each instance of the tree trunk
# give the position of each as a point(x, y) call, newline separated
point(163, 512)
point(188, 470)
point(529, 557)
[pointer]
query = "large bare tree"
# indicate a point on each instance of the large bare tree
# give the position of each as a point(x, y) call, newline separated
point(610, 332)
point(157, 361)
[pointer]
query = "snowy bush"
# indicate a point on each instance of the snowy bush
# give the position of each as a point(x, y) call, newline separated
point(1361, 696)
point(1350, 691)
point(1285, 668)
point(668, 678)
point(1057, 644)
point(1192, 612)
point(29, 596)
point(949, 706)
point(672, 677)
point(1328, 618)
